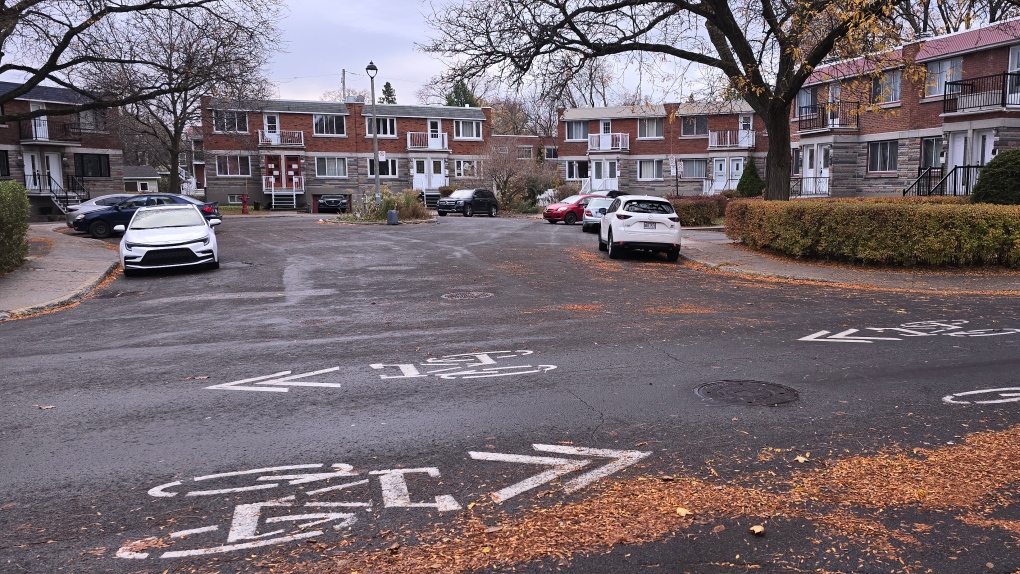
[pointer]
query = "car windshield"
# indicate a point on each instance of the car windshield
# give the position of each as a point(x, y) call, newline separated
point(462, 194)
point(159, 218)
point(599, 204)
point(573, 199)
point(647, 206)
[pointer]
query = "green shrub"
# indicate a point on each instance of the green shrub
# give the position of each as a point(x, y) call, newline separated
point(881, 232)
point(14, 213)
point(700, 210)
point(750, 184)
point(999, 181)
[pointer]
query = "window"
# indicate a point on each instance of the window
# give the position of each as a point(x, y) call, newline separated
point(467, 168)
point(796, 161)
point(5, 164)
point(331, 167)
point(233, 165)
point(886, 88)
point(939, 73)
point(694, 126)
point(649, 169)
point(577, 170)
point(931, 152)
point(230, 121)
point(649, 128)
point(143, 186)
point(648, 206)
point(92, 121)
point(694, 168)
point(525, 152)
point(387, 168)
point(387, 127)
point(807, 102)
point(329, 125)
point(465, 130)
point(577, 131)
point(234, 199)
point(552, 152)
point(882, 156)
point(91, 165)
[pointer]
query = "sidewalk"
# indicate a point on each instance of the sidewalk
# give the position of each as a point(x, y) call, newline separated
point(61, 269)
point(713, 249)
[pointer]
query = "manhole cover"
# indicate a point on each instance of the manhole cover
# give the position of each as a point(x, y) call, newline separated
point(467, 295)
point(117, 294)
point(742, 392)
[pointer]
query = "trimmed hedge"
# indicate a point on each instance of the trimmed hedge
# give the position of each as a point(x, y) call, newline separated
point(14, 213)
point(699, 210)
point(891, 232)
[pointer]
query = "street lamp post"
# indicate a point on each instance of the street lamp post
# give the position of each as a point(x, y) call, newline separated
point(371, 70)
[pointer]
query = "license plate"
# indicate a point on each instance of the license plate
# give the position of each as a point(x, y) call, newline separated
point(649, 225)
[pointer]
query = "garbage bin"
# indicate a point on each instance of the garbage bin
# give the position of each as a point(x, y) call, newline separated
point(391, 217)
point(257, 205)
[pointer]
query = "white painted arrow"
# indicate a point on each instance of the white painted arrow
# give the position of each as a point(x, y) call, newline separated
point(844, 337)
point(624, 458)
point(277, 379)
point(560, 466)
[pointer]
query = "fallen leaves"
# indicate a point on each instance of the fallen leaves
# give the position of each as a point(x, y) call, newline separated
point(682, 512)
point(757, 530)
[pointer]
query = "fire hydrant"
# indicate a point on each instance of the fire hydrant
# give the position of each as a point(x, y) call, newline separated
point(244, 204)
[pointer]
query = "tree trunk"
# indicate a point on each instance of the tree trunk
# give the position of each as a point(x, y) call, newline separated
point(778, 161)
point(175, 156)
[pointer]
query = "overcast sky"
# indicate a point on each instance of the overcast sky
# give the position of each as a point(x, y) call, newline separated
point(323, 37)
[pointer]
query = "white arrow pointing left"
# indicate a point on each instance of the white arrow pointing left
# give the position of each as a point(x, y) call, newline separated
point(280, 378)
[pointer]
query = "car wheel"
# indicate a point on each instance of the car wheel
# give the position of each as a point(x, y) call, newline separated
point(585, 227)
point(441, 213)
point(99, 229)
point(673, 255)
point(468, 210)
point(602, 244)
point(553, 221)
point(614, 251)
point(130, 273)
point(570, 219)
point(492, 211)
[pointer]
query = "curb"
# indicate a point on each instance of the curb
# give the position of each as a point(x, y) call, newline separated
point(81, 292)
point(725, 269)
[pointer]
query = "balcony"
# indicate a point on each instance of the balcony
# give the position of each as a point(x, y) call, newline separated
point(280, 184)
point(282, 138)
point(831, 116)
point(427, 141)
point(56, 130)
point(609, 142)
point(731, 139)
point(983, 93)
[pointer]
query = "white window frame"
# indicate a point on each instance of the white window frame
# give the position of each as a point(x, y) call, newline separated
point(806, 97)
point(336, 163)
point(692, 171)
point(391, 166)
point(525, 152)
point(467, 168)
point(234, 115)
point(573, 127)
point(226, 158)
point(143, 186)
point(696, 134)
point(555, 152)
point(940, 72)
point(654, 164)
point(644, 123)
point(887, 153)
point(886, 88)
point(327, 117)
point(389, 126)
point(234, 199)
point(572, 167)
point(458, 130)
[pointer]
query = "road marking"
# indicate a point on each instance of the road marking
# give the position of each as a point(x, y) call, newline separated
point(464, 366)
point(844, 337)
point(396, 495)
point(1008, 394)
point(277, 379)
point(257, 471)
point(624, 458)
point(338, 487)
point(950, 328)
point(182, 533)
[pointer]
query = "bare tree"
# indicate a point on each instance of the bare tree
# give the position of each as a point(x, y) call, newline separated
point(62, 42)
point(337, 95)
point(767, 49)
point(512, 175)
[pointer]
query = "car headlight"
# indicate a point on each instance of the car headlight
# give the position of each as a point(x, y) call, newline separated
point(82, 216)
point(562, 208)
point(128, 246)
point(205, 240)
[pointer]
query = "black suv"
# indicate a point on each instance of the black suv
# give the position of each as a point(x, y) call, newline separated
point(333, 203)
point(469, 202)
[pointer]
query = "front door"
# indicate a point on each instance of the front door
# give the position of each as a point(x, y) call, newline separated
point(825, 157)
point(736, 170)
point(719, 175)
point(272, 124)
point(808, 181)
point(53, 171)
point(420, 175)
point(438, 176)
point(958, 144)
point(984, 141)
point(293, 166)
point(33, 171)
point(273, 177)
point(40, 125)
point(436, 134)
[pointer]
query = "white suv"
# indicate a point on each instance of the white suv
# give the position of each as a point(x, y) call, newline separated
point(640, 222)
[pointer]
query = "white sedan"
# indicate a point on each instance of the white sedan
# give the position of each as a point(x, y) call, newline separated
point(168, 236)
point(640, 222)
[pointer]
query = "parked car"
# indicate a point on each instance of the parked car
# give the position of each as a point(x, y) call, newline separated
point(593, 213)
point(100, 223)
point(168, 236)
point(333, 203)
point(640, 222)
point(469, 202)
point(94, 204)
point(569, 211)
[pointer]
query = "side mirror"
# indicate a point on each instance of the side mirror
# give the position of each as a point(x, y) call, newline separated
point(119, 228)
point(215, 222)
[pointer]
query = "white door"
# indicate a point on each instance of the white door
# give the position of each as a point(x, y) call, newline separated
point(958, 145)
point(834, 91)
point(1013, 85)
point(719, 175)
point(438, 176)
point(33, 171)
point(745, 136)
point(808, 180)
point(53, 170)
point(272, 124)
point(984, 141)
point(40, 125)
point(605, 137)
point(825, 157)
point(736, 170)
point(436, 134)
point(420, 177)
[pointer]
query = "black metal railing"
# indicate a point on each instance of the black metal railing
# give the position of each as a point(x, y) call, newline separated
point(927, 178)
point(994, 91)
point(45, 129)
point(830, 116)
point(76, 186)
point(959, 181)
point(809, 186)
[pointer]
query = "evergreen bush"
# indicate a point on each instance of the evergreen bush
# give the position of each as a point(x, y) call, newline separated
point(999, 181)
point(750, 184)
point(14, 212)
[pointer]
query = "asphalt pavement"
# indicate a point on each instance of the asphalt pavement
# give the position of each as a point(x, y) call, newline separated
point(497, 395)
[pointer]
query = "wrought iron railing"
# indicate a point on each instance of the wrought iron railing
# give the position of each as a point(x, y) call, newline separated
point(959, 181)
point(927, 178)
point(809, 186)
point(993, 91)
point(830, 116)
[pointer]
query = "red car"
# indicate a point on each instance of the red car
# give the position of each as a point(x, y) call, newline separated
point(570, 210)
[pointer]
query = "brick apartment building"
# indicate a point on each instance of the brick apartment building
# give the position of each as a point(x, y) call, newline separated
point(61, 159)
point(287, 153)
point(664, 149)
point(925, 126)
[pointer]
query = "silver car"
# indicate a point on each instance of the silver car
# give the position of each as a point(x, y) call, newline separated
point(94, 204)
point(592, 214)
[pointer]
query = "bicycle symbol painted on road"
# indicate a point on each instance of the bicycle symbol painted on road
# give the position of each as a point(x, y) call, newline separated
point(950, 328)
point(984, 397)
point(464, 366)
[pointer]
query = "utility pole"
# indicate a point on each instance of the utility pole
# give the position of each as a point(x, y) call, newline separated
point(343, 84)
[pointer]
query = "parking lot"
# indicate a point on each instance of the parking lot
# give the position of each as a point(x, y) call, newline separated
point(389, 398)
